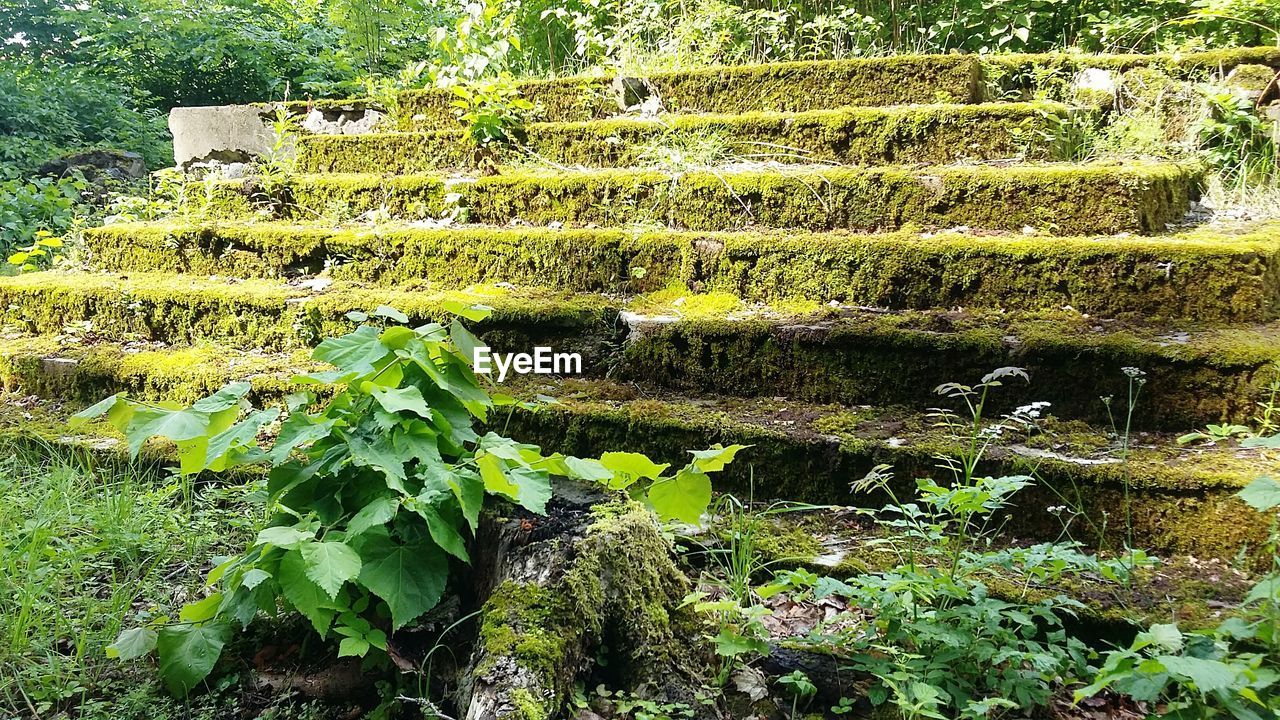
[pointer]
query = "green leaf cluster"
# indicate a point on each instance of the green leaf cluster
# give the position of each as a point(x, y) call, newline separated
point(1232, 670)
point(378, 476)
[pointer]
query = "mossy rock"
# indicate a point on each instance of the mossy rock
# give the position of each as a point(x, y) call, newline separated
point(1225, 274)
point(1064, 199)
point(785, 87)
point(1182, 497)
point(853, 136)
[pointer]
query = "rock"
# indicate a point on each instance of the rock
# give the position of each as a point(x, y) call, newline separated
point(343, 121)
point(1251, 81)
point(98, 164)
point(636, 94)
point(1094, 86)
point(215, 168)
point(226, 133)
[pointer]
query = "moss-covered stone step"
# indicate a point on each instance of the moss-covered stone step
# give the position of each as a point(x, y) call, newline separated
point(1223, 274)
point(712, 343)
point(783, 87)
point(268, 315)
point(801, 86)
point(1194, 374)
point(1066, 199)
point(853, 136)
point(1182, 498)
point(842, 543)
point(1030, 72)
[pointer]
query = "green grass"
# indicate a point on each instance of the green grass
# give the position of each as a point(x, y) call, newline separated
point(86, 549)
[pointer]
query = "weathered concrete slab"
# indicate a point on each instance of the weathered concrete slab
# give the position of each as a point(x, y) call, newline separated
point(226, 133)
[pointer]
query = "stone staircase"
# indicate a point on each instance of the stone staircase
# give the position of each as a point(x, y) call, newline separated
point(806, 302)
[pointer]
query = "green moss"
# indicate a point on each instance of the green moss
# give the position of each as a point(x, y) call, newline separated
point(528, 707)
point(620, 588)
point(1218, 275)
point(1199, 376)
point(859, 136)
point(1100, 198)
point(785, 543)
point(309, 197)
point(528, 623)
point(1195, 374)
point(1034, 74)
point(1251, 78)
point(795, 86)
point(580, 260)
point(1067, 199)
point(1183, 497)
point(274, 316)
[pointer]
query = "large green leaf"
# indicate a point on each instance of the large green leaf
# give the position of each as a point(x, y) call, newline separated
point(715, 458)
point(379, 453)
point(378, 512)
point(1262, 494)
point(398, 399)
point(308, 598)
point(1208, 675)
point(95, 411)
point(443, 532)
point(684, 497)
point(464, 340)
point(297, 430)
point(628, 467)
point(469, 489)
point(284, 536)
point(133, 643)
point(492, 471)
point(534, 489)
point(587, 469)
point(227, 447)
point(227, 397)
point(410, 578)
point(330, 564)
point(189, 652)
point(357, 351)
point(177, 425)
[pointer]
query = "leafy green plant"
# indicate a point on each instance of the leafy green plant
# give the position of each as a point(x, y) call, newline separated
point(931, 634)
point(799, 687)
point(1235, 140)
point(165, 196)
point(39, 255)
point(486, 98)
point(1232, 670)
point(38, 205)
point(1264, 433)
point(372, 494)
point(736, 563)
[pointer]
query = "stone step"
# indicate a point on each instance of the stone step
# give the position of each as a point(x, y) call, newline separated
point(781, 87)
point(849, 136)
point(842, 543)
point(1182, 498)
point(1228, 274)
point(710, 344)
point(1099, 198)
point(273, 316)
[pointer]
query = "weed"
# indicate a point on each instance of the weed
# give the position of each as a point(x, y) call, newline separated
point(85, 548)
